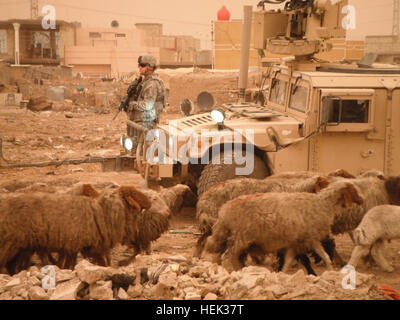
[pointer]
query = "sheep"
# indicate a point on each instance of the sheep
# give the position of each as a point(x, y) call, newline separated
point(272, 221)
point(379, 224)
point(141, 229)
point(155, 221)
point(212, 200)
point(68, 224)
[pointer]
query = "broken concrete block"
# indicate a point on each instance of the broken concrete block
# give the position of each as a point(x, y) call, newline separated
point(39, 104)
point(66, 290)
point(56, 93)
point(37, 293)
point(135, 291)
point(101, 290)
point(91, 273)
point(10, 99)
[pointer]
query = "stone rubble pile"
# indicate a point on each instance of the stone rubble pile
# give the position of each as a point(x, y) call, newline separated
point(180, 279)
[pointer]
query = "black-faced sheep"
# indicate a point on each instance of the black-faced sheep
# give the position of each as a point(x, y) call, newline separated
point(272, 221)
point(379, 224)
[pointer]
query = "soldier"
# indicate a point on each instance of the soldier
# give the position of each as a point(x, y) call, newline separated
point(149, 101)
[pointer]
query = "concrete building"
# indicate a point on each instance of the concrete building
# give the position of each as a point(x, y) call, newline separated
point(107, 52)
point(25, 41)
point(175, 51)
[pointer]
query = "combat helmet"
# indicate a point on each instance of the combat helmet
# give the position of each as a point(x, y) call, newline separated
point(149, 59)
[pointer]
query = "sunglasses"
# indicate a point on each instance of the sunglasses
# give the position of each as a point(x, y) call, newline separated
point(143, 65)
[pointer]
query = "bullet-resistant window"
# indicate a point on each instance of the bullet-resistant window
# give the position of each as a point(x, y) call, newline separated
point(298, 98)
point(346, 110)
point(278, 91)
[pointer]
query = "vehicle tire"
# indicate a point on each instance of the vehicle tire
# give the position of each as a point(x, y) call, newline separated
point(216, 173)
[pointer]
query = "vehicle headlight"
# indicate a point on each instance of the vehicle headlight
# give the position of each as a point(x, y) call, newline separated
point(218, 116)
point(121, 140)
point(128, 144)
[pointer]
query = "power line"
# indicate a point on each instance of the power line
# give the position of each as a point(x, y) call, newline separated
point(127, 14)
point(13, 2)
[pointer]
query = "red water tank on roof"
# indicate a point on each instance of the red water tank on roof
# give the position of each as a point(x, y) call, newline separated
point(223, 14)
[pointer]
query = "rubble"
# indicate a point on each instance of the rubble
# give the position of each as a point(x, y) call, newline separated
point(203, 281)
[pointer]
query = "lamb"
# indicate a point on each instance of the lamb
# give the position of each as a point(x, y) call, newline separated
point(272, 221)
point(379, 224)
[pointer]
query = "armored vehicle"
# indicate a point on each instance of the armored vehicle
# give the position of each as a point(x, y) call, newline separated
point(317, 115)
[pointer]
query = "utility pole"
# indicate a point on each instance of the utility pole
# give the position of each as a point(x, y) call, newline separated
point(34, 9)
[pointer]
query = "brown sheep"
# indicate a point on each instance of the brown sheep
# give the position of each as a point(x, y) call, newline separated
point(68, 224)
point(151, 223)
point(211, 201)
point(272, 221)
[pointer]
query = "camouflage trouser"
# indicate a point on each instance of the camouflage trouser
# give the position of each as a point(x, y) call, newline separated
point(134, 134)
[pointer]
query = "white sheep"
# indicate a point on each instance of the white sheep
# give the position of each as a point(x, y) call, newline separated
point(379, 224)
point(272, 221)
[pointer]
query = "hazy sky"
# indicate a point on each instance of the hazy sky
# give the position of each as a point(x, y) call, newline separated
point(190, 17)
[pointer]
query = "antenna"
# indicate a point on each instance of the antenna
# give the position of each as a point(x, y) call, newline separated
point(34, 9)
point(395, 30)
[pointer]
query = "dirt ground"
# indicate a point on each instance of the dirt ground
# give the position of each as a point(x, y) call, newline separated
point(49, 135)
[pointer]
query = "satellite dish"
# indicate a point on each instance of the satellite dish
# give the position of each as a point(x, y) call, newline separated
point(114, 24)
point(187, 107)
point(205, 101)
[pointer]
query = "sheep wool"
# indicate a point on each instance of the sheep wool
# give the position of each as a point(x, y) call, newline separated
point(272, 221)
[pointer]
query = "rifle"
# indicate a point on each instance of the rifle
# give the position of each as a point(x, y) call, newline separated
point(132, 93)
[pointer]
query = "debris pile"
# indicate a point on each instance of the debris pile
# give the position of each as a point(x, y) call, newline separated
point(180, 279)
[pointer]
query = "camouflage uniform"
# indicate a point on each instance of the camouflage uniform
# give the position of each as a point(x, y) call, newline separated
point(150, 103)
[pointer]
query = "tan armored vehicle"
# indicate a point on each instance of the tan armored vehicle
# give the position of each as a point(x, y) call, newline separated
point(316, 116)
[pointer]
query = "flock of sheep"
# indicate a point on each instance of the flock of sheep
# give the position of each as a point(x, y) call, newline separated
point(290, 214)
point(294, 214)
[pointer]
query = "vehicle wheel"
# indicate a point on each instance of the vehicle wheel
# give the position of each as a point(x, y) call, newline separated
point(216, 173)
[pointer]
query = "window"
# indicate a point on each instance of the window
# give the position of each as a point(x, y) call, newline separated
point(120, 35)
point(94, 35)
point(346, 110)
point(278, 91)
point(3, 41)
point(298, 98)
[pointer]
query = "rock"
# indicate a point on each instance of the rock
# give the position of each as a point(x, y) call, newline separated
point(166, 288)
point(276, 289)
point(64, 275)
point(297, 280)
point(69, 115)
point(135, 291)
point(178, 258)
point(101, 290)
point(192, 296)
point(210, 296)
point(90, 273)
point(122, 295)
point(34, 281)
point(37, 293)
point(23, 293)
point(66, 290)
point(39, 104)
point(197, 271)
point(12, 283)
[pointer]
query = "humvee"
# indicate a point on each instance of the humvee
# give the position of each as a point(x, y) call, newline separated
point(317, 116)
